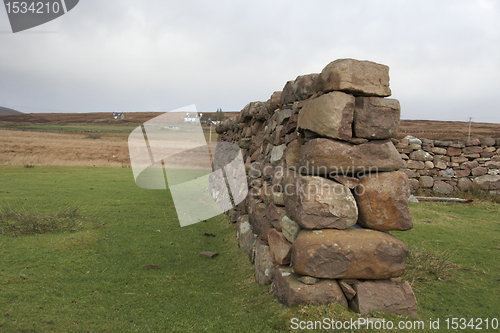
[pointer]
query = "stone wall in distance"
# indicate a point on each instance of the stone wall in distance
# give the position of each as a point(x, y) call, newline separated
point(443, 167)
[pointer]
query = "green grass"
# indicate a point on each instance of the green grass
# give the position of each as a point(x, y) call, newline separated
point(468, 235)
point(134, 269)
point(96, 280)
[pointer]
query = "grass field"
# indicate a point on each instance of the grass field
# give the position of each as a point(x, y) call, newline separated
point(130, 267)
point(63, 149)
point(71, 146)
point(468, 235)
point(122, 263)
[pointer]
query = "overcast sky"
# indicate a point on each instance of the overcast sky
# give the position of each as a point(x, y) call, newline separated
point(125, 55)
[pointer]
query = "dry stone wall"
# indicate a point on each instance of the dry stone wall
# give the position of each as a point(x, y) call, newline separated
point(443, 167)
point(325, 190)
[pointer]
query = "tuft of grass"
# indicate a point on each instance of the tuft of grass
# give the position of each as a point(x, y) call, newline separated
point(422, 264)
point(23, 222)
point(477, 193)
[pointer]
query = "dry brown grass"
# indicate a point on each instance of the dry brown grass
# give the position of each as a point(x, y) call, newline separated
point(63, 149)
point(447, 130)
point(83, 149)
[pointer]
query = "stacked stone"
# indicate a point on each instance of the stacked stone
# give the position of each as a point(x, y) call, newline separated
point(445, 166)
point(325, 190)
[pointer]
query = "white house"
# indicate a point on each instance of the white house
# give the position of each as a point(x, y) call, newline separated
point(118, 115)
point(192, 118)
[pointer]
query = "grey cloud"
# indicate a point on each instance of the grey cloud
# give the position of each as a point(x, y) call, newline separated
point(160, 55)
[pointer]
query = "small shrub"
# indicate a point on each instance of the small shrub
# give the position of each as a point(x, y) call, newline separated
point(29, 165)
point(93, 137)
point(422, 265)
point(22, 222)
point(477, 193)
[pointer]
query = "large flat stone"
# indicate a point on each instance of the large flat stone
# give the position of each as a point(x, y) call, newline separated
point(393, 296)
point(290, 291)
point(279, 247)
point(488, 182)
point(329, 115)
point(376, 118)
point(331, 157)
point(361, 78)
point(348, 254)
point(317, 203)
point(383, 201)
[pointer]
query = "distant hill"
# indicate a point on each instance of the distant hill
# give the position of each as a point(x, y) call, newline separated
point(430, 129)
point(7, 111)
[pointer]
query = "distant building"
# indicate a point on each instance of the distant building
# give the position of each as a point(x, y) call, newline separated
point(192, 118)
point(118, 115)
